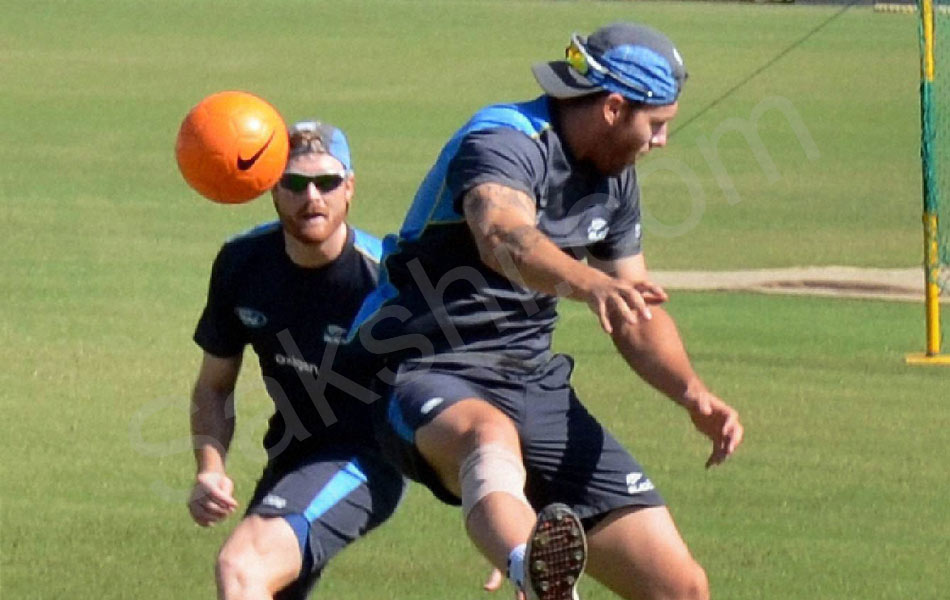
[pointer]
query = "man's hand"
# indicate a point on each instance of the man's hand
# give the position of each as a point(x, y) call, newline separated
point(719, 422)
point(496, 580)
point(613, 298)
point(503, 223)
point(211, 498)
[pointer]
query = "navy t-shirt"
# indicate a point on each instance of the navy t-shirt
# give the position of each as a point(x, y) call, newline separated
point(294, 318)
point(433, 282)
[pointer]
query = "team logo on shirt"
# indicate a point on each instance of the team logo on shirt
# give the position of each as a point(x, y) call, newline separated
point(250, 317)
point(637, 483)
point(597, 230)
point(334, 334)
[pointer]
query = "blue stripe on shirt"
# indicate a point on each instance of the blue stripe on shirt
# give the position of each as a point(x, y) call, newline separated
point(367, 244)
point(433, 202)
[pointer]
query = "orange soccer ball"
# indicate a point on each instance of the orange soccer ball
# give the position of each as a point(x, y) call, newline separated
point(232, 147)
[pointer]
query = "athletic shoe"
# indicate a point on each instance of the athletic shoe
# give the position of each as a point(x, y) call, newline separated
point(555, 556)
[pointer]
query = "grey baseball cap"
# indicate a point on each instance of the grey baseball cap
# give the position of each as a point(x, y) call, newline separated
point(630, 59)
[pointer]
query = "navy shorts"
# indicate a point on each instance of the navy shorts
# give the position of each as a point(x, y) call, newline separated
point(569, 456)
point(330, 499)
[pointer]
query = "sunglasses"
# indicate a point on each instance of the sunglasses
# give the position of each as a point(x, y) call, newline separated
point(582, 62)
point(324, 182)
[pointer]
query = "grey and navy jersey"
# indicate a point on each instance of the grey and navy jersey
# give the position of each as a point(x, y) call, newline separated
point(433, 282)
point(294, 318)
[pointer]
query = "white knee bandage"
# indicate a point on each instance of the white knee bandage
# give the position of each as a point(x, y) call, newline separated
point(490, 468)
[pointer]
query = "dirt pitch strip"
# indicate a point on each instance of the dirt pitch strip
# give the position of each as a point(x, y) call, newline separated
point(850, 282)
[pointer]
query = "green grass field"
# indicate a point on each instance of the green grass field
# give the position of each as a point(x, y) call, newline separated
point(840, 490)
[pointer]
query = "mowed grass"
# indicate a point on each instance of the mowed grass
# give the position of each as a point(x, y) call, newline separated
point(100, 92)
point(839, 491)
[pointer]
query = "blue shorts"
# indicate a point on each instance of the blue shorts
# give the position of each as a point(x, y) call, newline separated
point(330, 499)
point(569, 456)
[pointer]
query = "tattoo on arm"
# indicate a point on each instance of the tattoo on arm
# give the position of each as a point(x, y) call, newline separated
point(483, 201)
point(503, 217)
point(518, 240)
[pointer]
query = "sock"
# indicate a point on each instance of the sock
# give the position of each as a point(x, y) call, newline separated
point(516, 566)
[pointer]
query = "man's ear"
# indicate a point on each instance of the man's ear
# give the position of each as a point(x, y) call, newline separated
point(350, 190)
point(613, 107)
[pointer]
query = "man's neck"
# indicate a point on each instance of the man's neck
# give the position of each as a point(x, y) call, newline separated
point(313, 256)
point(573, 127)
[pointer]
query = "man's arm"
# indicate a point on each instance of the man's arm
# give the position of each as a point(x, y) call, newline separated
point(656, 352)
point(502, 221)
point(212, 427)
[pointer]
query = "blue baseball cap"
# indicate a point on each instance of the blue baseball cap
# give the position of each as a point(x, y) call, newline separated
point(314, 136)
point(633, 60)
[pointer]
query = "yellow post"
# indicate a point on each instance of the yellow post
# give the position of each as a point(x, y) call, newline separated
point(931, 253)
point(927, 19)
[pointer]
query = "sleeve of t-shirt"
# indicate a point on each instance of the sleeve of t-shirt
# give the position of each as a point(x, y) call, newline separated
point(219, 332)
point(501, 155)
point(624, 233)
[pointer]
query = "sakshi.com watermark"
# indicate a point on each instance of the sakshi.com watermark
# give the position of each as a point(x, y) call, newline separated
point(317, 378)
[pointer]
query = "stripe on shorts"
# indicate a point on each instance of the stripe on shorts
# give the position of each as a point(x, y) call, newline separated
point(349, 478)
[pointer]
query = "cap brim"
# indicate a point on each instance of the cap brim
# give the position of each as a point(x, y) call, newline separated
point(305, 172)
point(559, 80)
point(298, 170)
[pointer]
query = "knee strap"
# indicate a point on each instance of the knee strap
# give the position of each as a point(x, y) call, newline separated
point(490, 468)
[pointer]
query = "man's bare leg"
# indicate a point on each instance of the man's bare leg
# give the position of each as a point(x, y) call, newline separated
point(260, 558)
point(639, 554)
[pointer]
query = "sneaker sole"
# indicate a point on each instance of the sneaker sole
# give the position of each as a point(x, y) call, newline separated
point(556, 554)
